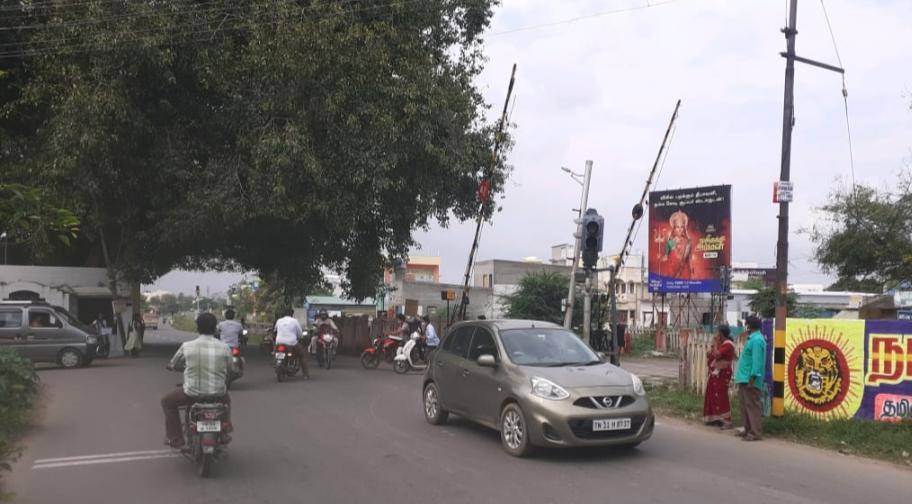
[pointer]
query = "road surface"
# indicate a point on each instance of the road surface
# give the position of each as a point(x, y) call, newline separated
point(356, 436)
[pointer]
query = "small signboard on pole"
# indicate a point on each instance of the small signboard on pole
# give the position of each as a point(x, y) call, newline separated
point(783, 191)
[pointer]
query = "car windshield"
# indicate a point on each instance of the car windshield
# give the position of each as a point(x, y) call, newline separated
point(73, 321)
point(546, 347)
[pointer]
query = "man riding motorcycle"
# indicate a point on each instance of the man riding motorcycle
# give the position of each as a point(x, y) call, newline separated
point(229, 330)
point(322, 322)
point(206, 362)
point(288, 332)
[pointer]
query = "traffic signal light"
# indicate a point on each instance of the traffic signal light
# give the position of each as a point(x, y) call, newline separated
point(593, 226)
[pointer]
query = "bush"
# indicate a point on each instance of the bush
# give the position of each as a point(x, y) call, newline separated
point(18, 391)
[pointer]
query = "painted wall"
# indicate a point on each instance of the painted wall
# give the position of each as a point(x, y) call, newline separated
point(849, 368)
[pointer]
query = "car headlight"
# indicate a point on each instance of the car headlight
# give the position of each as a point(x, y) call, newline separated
point(91, 340)
point(547, 389)
point(637, 385)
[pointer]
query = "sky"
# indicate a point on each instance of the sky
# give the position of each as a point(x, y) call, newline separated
point(602, 87)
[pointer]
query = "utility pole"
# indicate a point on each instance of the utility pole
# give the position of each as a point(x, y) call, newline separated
point(584, 200)
point(788, 122)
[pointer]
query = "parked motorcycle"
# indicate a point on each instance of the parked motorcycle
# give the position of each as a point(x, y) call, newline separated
point(286, 362)
point(327, 343)
point(408, 357)
point(237, 368)
point(382, 348)
point(204, 434)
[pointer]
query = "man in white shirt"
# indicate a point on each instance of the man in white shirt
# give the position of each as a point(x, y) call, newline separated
point(288, 332)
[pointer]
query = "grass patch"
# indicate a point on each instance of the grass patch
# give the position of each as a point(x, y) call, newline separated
point(879, 440)
point(641, 346)
point(184, 322)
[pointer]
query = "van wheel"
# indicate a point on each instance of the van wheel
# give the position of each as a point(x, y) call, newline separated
point(69, 358)
point(514, 432)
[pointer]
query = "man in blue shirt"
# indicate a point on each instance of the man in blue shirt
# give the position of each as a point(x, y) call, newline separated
point(431, 339)
point(749, 377)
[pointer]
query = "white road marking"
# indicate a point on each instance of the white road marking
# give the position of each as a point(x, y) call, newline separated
point(103, 455)
point(110, 458)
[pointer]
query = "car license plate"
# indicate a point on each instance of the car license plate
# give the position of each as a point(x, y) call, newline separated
point(610, 424)
point(208, 426)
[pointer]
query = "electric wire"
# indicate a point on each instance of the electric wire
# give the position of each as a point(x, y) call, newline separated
point(845, 95)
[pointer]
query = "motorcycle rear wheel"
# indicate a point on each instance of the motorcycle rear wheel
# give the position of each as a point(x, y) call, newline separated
point(280, 374)
point(204, 464)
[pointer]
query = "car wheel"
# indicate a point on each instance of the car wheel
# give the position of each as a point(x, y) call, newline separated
point(514, 433)
point(69, 358)
point(434, 412)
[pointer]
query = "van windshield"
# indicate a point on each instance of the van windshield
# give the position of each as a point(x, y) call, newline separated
point(546, 347)
point(71, 320)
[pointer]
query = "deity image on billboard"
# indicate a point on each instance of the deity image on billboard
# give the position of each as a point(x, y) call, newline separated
point(690, 239)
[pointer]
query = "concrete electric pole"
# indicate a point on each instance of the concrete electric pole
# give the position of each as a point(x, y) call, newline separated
point(568, 308)
point(784, 197)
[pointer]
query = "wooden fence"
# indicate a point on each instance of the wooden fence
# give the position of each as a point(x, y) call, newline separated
point(693, 373)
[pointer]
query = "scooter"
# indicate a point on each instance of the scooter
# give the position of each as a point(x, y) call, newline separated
point(237, 365)
point(408, 357)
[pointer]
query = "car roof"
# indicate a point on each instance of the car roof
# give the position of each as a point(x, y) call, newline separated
point(505, 324)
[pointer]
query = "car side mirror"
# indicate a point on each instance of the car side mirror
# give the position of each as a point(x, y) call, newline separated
point(487, 360)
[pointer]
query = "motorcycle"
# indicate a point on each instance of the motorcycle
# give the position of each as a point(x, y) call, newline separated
point(327, 342)
point(286, 362)
point(382, 348)
point(409, 357)
point(204, 434)
point(243, 338)
point(237, 365)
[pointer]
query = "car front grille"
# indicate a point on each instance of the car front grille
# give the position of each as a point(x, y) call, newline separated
point(605, 402)
point(582, 428)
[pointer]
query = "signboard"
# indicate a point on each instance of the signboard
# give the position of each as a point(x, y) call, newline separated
point(849, 369)
point(690, 239)
point(767, 276)
point(448, 295)
point(783, 191)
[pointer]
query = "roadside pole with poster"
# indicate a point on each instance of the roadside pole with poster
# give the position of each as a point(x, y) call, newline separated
point(690, 239)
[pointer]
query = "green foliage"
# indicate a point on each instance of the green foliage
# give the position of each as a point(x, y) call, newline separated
point(865, 236)
point(285, 137)
point(763, 302)
point(18, 391)
point(32, 221)
point(881, 440)
point(539, 297)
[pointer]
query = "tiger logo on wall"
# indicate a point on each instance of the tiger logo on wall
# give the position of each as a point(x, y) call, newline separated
point(818, 375)
point(824, 368)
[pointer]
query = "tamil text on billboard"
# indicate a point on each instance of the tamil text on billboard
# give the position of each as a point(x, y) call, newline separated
point(690, 239)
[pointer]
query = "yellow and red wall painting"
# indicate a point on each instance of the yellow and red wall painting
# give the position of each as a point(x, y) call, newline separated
point(849, 368)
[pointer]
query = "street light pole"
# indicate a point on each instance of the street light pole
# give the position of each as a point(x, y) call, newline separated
point(568, 314)
point(5, 240)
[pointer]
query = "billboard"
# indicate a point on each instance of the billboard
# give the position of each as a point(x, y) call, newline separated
point(859, 369)
point(690, 239)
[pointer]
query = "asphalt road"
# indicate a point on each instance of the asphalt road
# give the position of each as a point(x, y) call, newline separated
point(350, 436)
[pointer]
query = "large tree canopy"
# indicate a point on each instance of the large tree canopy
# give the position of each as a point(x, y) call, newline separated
point(866, 236)
point(275, 135)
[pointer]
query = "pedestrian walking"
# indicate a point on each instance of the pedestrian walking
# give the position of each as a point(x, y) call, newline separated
point(750, 375)
point(716, 405)
point(134, 336)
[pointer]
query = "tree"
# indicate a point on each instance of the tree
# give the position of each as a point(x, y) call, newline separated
point(763, 302)
point(539, 297)
point(865, 238)
point(279, 136)
point(31, 221)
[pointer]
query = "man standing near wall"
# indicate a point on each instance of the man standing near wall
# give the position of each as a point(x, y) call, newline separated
point(750, 375)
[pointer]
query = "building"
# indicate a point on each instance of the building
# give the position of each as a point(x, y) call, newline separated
point(502, 277)
point(414, 288)
point(562, 254)
point(635, 304)
point(838, 304)
point(417, 269)
point(338, 306)
point(84, 292)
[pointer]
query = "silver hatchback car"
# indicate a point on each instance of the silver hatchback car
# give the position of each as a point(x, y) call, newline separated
point(538, 384)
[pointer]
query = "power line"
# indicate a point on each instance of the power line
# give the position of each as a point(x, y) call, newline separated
point(94, 46)
point(845, 93)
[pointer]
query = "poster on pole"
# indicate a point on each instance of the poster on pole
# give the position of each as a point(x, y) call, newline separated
point(690, 239)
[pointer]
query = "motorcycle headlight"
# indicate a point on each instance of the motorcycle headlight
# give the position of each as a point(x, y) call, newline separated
point(547, 389)
point(638, 388)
